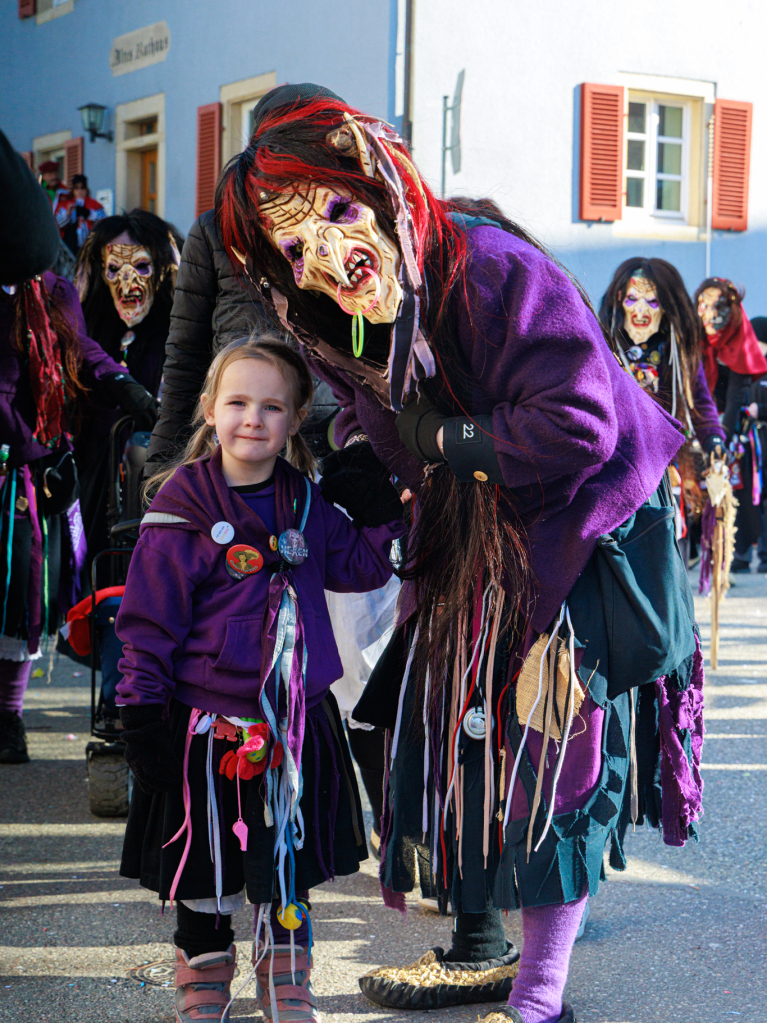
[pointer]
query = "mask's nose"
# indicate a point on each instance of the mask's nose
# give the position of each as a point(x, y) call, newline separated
point(330, 252)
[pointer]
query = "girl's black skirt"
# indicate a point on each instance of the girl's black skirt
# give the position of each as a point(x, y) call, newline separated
point(330, 804)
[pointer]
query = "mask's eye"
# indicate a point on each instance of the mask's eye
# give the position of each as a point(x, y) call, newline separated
point(143, 269)
point(342, 211)
point(630, 300)
point(112, 271)
point(293, 251)
point(653, 303)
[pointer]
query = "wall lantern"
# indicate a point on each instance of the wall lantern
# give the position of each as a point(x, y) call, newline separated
point(93, 121)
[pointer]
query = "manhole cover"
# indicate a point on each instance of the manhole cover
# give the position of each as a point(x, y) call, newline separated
point(159, 974)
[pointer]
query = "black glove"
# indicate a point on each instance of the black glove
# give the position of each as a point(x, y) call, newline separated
point(149, 749)
point(712, 443)
point(418, 425)
point(134, 400)
point(355, 479)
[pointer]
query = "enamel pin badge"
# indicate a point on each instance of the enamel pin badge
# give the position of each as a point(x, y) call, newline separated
point(242, 561)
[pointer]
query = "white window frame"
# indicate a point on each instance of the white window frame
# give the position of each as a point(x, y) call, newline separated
point(648, 212)
point(237, 98)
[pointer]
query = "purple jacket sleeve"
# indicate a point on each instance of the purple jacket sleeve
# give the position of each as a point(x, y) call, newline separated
point(96, 361)
point(357, 560)
point(153, 623)
point(542, 361)
point(705, 417)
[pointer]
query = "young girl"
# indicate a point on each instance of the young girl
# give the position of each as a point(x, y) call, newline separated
point(245, 784)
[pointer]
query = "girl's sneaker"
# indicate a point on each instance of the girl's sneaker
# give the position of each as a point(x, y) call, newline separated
point(296, 1001)
point(202, 985)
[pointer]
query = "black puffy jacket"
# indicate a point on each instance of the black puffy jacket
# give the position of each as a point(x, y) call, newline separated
point(211, 307)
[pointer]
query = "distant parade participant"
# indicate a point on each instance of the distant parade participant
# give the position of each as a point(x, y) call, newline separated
point(126, 274)
point(83, 211)
point(657, 334)
point(56, 190)
point(733, 362)
point(47, 365)
point(245, 783)
point(473, 367)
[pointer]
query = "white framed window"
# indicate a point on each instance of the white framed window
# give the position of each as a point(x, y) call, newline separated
point(246, 115)
point(657, 181)
point(238, 100)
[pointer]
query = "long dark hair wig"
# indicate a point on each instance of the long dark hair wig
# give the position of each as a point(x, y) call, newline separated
point(678, 310)
point(466, 536)
point(161, 240)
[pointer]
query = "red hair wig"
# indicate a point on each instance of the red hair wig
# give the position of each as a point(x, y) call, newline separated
point(289, 148)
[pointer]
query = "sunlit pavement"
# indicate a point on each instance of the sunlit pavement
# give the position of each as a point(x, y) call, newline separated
point(679, 938)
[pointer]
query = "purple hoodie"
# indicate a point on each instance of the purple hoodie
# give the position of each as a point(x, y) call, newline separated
point(581, 446)
point(192, 631)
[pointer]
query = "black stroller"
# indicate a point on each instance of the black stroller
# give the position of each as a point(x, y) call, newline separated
point(109, 778)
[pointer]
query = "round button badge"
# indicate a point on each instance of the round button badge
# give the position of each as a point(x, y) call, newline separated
point(242, 560)
point(222, 532)
point(293, 547)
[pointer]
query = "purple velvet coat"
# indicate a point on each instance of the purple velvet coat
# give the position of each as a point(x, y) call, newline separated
point(192, 631)
point(581, 446)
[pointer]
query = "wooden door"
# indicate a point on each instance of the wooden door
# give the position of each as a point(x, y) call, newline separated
point(149, 180)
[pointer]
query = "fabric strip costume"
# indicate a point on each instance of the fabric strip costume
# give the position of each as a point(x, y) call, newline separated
point(507, 582)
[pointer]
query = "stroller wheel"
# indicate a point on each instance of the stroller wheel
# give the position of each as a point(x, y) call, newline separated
point(109, 781)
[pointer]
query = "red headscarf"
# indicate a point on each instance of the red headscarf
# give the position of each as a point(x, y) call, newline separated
point(737, 347)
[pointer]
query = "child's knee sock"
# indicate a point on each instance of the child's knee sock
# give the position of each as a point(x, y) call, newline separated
point(477, 937)
point(282, 934)
point(197, 933)
point(548, 936)
point(14, 678)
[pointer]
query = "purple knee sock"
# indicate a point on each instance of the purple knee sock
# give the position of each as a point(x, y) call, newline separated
point(282, 934)
point(14, 678)
point(548, 936)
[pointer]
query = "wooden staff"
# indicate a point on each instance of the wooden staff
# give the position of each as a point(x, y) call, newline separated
point(716, 584)
point(722, 499)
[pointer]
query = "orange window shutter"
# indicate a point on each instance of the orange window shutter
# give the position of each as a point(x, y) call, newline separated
point(732, 158)
point(29, 159)
point(601, 151)
point(74, 159)
point(208, 155)
point(27, 8)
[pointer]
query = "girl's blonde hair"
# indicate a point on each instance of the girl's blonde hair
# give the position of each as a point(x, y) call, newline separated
point(266, 348)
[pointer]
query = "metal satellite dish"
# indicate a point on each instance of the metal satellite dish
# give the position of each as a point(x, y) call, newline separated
point(455, 134)
point(454, 148)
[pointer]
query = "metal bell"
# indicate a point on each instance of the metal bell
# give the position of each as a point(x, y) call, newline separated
point(474, 724)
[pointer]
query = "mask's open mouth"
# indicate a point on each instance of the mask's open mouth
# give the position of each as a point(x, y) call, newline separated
point(133, 299)
point(361, 267)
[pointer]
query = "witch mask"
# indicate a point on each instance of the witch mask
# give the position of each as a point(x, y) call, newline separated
point(714, 309)
point(336, 246)
point(129, 275)
point(642, 312)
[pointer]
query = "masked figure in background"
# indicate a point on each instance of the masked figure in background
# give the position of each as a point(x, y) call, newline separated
point(655, 330)
point(733, 362)
point(126, 276)
point(472, 366)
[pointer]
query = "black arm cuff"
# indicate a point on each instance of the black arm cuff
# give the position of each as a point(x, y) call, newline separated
point(469, 449)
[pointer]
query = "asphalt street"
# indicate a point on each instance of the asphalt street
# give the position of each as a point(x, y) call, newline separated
point(679, 937)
